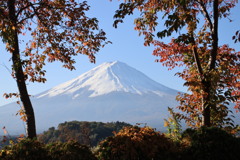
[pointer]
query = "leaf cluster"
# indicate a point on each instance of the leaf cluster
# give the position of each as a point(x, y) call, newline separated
point(59, 30)
point(28, 149)
point(173, 126)
point(136, 143)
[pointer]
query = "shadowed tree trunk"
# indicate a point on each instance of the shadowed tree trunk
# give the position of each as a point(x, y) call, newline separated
point(61, 30)
point(18, 71)
point(207, 105)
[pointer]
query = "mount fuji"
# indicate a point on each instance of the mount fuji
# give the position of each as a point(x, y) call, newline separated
point(112, 91)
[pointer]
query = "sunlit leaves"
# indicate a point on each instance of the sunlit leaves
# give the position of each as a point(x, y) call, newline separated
point(59, 31)
point(211, 72)
point(173, 125)
point(22, 114)
point(225, 83)
point(135, 143)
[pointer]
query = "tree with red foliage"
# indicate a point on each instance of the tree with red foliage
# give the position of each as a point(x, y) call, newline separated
point(211, 71)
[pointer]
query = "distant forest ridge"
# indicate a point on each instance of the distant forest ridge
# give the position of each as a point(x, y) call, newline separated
point(88, 133)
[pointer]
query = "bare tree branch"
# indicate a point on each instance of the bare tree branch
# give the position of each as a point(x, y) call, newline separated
point(214, 35)
point(205, 13)
point(196, 56)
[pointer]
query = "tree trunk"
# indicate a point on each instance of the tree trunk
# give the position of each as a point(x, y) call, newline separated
point(18, 71)
point(206, 104)
point(206, 114)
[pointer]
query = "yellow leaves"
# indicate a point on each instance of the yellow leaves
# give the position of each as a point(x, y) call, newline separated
point(137, 133)
point(22, 114)
point(42, 58)
point(166, 123)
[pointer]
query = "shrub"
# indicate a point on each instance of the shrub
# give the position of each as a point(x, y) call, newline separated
point(136, 143)
point(69, 151)
point(26, 149)
point(210, 144)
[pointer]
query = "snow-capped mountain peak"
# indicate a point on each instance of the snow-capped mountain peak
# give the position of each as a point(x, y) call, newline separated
point(108, 77)
point(110, 92)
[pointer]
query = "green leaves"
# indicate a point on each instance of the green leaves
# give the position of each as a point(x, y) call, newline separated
point(173, 125)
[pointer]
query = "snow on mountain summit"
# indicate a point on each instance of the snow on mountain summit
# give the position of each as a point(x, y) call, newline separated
point(109, 77)
point(111, 91)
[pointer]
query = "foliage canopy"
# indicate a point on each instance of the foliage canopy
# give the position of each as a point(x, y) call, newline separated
point(211, 71)
point(88, 133)
point(58, 31)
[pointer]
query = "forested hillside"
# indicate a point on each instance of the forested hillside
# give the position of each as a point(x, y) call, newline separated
point(89, 133)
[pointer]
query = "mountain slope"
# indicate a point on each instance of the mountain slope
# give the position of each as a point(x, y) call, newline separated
point(110, 92)
point(109, 77)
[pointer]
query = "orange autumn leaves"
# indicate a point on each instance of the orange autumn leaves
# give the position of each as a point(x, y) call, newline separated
point(57, 31)
point(134, 143)
point(211, 72)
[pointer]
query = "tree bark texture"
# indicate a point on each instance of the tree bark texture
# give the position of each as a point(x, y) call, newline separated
point(19, 75)
point(207, 84)
point(207, 104)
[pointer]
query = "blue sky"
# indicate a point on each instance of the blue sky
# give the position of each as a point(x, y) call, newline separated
point(127, 47)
